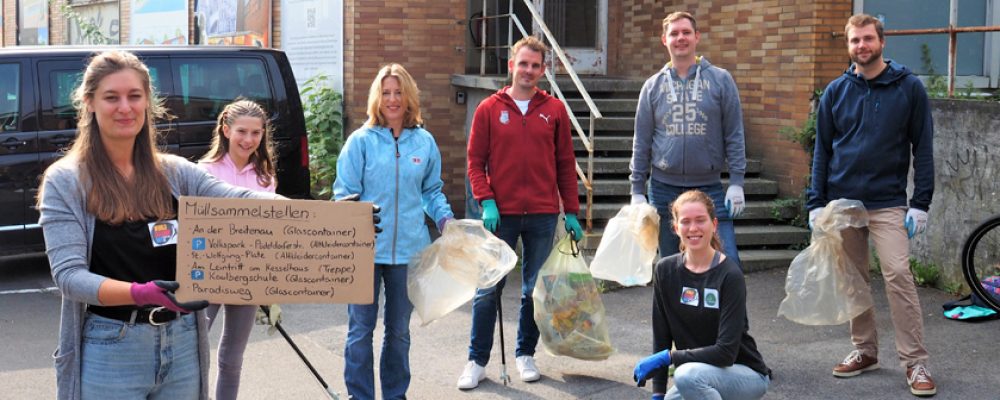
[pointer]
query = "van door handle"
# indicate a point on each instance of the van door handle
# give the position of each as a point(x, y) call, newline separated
point(12, 144)
point(60, 140)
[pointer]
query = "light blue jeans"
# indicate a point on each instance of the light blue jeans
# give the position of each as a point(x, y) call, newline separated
point(394, 367)
point(140, 361)
point(662, 195)
point(700, 381)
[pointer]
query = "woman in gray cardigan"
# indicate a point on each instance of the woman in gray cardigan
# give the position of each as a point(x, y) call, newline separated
point(104, 208)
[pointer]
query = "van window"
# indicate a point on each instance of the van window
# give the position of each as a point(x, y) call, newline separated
point(10, 100)
point(207, 86)
point(62, 83)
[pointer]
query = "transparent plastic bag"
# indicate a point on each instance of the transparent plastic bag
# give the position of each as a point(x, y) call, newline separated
point(568, 308)
point(822, 287)
point(446, 274)
point(628, 246)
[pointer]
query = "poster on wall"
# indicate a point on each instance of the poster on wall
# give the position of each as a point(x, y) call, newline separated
point(159, 22)
point(233, 22)
point(313, 38)
point(104, 16)
point(34, 23)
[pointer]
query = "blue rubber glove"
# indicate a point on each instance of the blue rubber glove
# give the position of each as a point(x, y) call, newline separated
point(442, 222)
point(916, 222)
point(573, 227)
point(657, 396)
point(491, 215)
point(649, 365)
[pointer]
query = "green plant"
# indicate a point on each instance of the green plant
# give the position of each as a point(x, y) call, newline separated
point(876, 264)
point(88, 31)
point(925, 274)
point(805, 135)
point(937, 86)
point(778, 207)
point(953, 287)
point(323, 110)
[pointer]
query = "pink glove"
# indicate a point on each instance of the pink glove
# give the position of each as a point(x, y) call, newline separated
point(161, 293)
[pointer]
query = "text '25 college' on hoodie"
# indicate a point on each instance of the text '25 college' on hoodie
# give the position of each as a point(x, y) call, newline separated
point(686, 136)
point(866, 131)
point(525, 162)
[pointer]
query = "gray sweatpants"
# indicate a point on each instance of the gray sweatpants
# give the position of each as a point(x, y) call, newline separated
point(239, 319)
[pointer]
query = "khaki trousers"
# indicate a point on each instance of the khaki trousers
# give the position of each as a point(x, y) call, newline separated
point(885, 227)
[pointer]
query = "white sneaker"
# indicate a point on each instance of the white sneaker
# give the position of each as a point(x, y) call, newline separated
point(526, 366)
point(471, 376)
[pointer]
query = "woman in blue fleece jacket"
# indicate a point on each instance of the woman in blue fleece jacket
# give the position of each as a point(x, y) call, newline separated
point(394, 163)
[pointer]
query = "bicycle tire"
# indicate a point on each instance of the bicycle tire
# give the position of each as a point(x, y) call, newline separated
point(968, 260)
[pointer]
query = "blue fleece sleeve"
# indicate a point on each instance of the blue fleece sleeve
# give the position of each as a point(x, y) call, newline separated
point(825, 130)
point(642, 140)
point(433, 200)
point(732, 129)
point(350, 168)
point(922, 140)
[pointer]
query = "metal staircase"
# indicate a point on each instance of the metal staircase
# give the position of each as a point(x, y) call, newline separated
point(765, 240)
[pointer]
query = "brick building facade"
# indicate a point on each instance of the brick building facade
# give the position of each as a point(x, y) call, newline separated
point(778, 51)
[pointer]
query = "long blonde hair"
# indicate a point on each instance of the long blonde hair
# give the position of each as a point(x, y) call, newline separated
point(263, 158)
point(411, 97)
point(110, 197)
point(696, 196)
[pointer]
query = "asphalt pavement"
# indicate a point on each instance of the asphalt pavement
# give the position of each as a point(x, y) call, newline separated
point(964, 356)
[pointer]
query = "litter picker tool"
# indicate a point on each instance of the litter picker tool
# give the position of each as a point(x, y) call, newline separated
point(503, 354)
point(277, 325)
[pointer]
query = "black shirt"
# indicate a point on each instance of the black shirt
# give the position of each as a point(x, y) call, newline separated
point(704, 316)
point(126, 252)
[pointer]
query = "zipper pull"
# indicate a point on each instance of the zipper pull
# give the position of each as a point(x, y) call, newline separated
point(395, 140)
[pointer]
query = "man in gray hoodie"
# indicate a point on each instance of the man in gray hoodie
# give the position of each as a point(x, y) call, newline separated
point(688, 126)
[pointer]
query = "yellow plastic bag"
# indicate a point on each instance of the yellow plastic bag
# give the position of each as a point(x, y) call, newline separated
point(822, 287)
point(446, 274)
point(628, 246)
point(568, 308)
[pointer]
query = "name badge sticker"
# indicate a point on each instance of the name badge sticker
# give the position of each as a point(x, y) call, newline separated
point(711, 298)
point(689, 296)
point(163, 233)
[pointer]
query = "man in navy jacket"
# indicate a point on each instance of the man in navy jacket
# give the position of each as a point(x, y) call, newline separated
point(871, 122)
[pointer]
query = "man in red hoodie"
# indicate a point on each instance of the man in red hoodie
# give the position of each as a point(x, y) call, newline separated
point(521, 164)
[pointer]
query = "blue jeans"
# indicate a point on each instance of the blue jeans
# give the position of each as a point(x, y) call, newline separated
point(697, 381)
point(394, 367)
point(662, 195)
point(140, 361)
point(536, 232)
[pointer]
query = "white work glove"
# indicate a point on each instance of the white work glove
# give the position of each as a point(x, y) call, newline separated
point(812, 216)
point(916, 222)
point(735, 201)
point(638, 199)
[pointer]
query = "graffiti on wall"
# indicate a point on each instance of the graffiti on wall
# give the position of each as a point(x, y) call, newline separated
point(969, 172)
point(233, 22)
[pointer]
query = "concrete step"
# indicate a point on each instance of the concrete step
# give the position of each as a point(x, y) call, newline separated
point(622, 187)
point(760, 260)
point(619, 165)
point(770, 235)
point(596, 85)
point(754, 210)
point(606, 143)
point(604, 105)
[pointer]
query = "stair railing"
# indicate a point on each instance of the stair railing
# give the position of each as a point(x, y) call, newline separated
point(587, 138)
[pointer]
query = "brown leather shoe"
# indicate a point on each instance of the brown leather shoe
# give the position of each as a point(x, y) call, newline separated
point(854, 364)
point(919, 379)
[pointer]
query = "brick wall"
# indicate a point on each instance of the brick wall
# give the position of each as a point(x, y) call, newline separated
point(426, 37)
point(778, 51)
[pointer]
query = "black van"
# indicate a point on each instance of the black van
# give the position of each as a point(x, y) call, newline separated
point(37, 118)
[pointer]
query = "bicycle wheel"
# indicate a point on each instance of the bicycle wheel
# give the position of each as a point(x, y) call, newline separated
point(981, 261)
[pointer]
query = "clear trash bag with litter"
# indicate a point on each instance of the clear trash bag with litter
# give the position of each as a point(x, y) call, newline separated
point(822, 286)
point(628, 246)
point(568, 307)
point(446, 274)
